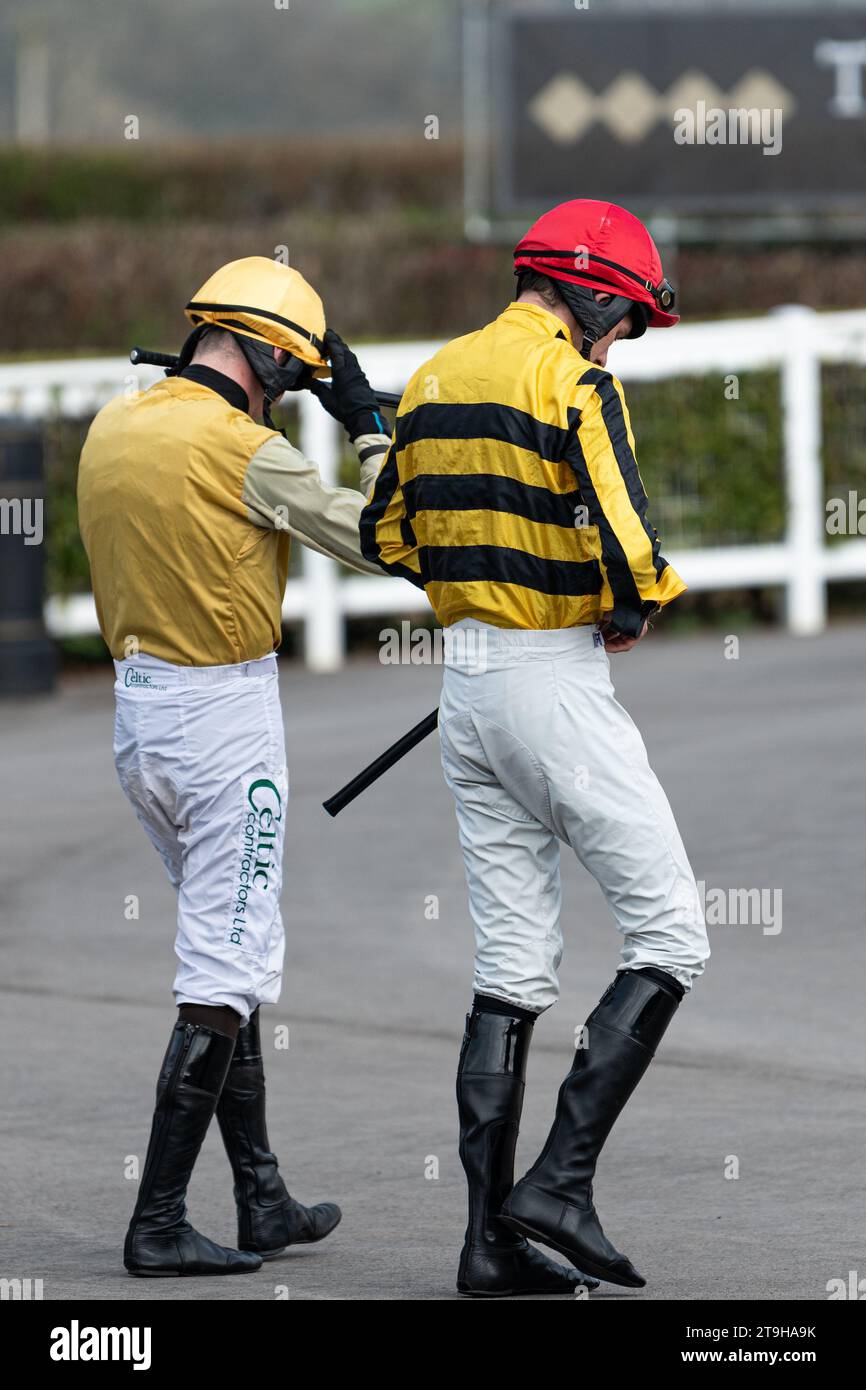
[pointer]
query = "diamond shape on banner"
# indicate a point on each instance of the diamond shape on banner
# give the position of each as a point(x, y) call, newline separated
point(688, 90)
point(629, 107)
point(759, 88)
point(564, 108)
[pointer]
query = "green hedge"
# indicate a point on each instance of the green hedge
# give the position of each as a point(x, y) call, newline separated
point(712, 468)
point(229, 182)
point(101, 249)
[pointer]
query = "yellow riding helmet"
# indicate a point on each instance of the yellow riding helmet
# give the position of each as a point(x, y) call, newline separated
point(265, 300)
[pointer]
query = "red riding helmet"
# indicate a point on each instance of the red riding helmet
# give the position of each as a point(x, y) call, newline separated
point(586, 245)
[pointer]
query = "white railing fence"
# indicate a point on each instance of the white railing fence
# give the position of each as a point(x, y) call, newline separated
point(793, 339)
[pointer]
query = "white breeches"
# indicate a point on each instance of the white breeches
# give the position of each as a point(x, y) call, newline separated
point(537, 751)
point(201, 756)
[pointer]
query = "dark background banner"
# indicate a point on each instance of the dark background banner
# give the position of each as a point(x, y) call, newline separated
point(587, 102)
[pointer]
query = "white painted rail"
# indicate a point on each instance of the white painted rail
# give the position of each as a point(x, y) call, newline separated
point(793, 339)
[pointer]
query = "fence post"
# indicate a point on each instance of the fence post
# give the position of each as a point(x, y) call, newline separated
point(806, 596)
point(324, 638)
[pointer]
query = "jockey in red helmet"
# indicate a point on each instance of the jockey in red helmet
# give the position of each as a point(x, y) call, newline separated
point(605, 264)
point(511, 494)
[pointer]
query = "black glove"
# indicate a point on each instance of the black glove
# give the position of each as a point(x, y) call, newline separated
point(624, 622)
point(350, 397)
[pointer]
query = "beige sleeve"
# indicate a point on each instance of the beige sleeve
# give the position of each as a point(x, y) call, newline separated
point(372, 449)
point(283, 491)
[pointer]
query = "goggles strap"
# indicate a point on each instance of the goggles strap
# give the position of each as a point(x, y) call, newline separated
point(663, 293)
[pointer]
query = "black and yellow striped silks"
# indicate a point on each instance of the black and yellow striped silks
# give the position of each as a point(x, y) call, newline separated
point(511, 493)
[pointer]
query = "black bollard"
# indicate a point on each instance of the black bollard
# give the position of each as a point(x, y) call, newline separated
point(27, 658)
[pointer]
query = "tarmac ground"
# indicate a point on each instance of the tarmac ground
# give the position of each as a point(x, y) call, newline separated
point(736, 1170)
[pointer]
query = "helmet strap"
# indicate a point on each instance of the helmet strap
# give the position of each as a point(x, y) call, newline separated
point(597, 320)
point(187, 352)
point(273, 378)
point(268, 419)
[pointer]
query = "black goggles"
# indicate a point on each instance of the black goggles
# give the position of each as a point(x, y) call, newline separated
point(664, 293)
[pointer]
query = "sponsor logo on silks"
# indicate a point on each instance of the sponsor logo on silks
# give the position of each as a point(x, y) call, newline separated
point(263, 811)
point(132, 677)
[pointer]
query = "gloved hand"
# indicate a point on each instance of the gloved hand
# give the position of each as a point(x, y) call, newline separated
point(623, 627)
point(350, 397)
point(614, 639)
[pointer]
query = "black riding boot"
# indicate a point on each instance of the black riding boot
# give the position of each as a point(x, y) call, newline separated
point(160, 1240)
point(495, 1262)
point(268, 1218)
point(553, 1202)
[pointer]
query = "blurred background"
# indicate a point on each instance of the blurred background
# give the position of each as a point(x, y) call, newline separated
point(392, 150)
